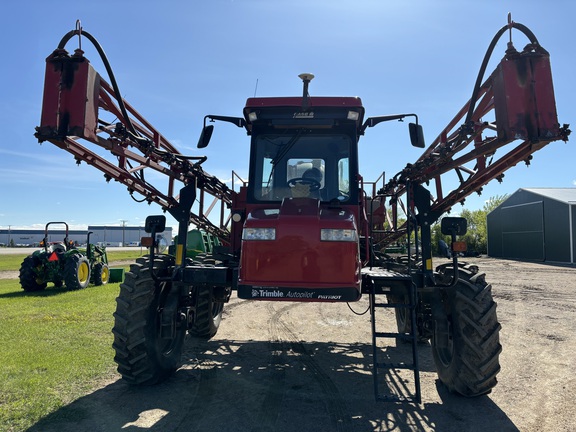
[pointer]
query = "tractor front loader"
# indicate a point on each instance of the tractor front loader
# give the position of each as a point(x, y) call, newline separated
point(305, 226)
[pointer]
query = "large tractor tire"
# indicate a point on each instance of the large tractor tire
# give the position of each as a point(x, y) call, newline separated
point(145, 356)
point(403, 319)
point(76, 272)
point(100, 274)
point(29, 279)
point(467, 359)
point(403, 322)
point(208, 315)
point(208, 312)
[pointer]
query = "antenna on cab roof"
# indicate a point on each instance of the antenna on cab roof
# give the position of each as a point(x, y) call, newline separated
point(306, 78)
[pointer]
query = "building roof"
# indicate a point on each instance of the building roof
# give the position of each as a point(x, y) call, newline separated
point(565, 195)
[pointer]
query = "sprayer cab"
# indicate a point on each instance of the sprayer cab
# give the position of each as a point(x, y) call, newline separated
point(298, 225)
point(297, 152)
point(300, 234)
point(308, 146)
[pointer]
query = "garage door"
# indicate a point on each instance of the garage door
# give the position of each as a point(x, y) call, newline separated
point(523, 231)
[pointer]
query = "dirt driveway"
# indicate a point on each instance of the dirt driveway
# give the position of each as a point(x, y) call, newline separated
point(306, 367)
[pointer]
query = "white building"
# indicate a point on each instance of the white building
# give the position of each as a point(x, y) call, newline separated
point(101, 234)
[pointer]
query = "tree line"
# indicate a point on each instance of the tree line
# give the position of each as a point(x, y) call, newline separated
point(477, 236)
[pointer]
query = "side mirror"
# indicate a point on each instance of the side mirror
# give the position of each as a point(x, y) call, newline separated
point(205, 136)
point(454, 226)
point(416, 135)
point(155, 224)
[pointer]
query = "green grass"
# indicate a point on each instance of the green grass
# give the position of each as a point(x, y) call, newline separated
point(13, 262)
point(56, 347)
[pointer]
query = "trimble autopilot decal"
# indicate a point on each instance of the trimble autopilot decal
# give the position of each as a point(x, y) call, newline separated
point(297, 294)
point(260, 292)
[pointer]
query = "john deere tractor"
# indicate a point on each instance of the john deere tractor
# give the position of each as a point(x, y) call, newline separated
point(98, 259)
point(62, 263)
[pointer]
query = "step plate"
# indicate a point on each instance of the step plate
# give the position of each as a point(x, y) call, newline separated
point(384, 280)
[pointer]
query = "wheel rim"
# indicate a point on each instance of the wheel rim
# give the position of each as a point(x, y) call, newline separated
point(403, 314)
point(403, 317)
point(38, 279)
point(165, 346)
point(105, 274)
point(217, 309)
point(446, 354)
point(83, 272)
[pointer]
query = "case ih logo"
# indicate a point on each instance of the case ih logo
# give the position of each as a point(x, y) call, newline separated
point(301, 115)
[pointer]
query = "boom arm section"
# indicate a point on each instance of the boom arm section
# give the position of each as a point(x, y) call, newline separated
point(513, 113)
point(128, 149)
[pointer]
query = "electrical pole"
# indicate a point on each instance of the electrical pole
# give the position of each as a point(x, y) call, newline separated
point(123, 225)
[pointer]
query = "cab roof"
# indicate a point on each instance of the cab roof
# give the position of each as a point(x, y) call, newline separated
point(314, 112)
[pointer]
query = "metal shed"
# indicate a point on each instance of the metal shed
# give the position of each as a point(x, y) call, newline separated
point(537, 224)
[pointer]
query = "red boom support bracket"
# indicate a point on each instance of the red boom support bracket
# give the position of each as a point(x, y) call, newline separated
point(515, 115)
point(75, 101)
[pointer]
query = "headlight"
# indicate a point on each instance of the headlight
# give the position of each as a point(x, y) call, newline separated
point(328, 234)
point(353, 115)
point(259, 234)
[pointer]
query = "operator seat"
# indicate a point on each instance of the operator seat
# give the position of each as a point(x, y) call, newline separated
point(57, 247)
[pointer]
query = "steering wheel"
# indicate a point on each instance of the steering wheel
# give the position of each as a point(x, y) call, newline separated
point(314, 184)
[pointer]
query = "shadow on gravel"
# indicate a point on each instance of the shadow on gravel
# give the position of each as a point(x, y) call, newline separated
point(235, 386)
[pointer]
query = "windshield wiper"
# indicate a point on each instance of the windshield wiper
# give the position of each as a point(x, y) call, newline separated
point(286, 147)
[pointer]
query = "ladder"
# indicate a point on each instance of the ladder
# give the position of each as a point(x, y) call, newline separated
point(383, 281)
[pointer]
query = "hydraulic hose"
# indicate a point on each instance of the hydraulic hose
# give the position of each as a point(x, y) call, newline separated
point(131, 129)
point(80, 32)
point(487, 56)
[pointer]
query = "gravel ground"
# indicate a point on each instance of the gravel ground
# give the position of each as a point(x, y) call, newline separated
point(276, 366)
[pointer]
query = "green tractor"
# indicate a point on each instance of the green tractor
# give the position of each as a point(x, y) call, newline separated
point(199, 243)
point(98, 259)
point(62, 263)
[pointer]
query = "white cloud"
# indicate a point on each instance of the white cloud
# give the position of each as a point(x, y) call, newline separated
point(240, 182)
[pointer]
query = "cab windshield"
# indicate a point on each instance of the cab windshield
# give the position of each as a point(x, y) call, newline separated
point(301, 164)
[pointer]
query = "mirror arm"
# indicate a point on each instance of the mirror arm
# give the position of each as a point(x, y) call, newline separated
point(373, 121)
point(207, 129)
point(238, 121)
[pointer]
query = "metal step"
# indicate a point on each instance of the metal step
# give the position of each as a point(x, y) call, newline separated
point(393, 305)
point(415, 396)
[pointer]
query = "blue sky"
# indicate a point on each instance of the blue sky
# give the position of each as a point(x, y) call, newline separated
point(176, 61)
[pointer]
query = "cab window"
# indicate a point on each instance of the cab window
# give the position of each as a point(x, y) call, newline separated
point(301, 165)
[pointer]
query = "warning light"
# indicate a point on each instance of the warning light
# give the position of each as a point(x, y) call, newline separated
point(147, 241)
point(458, 246)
